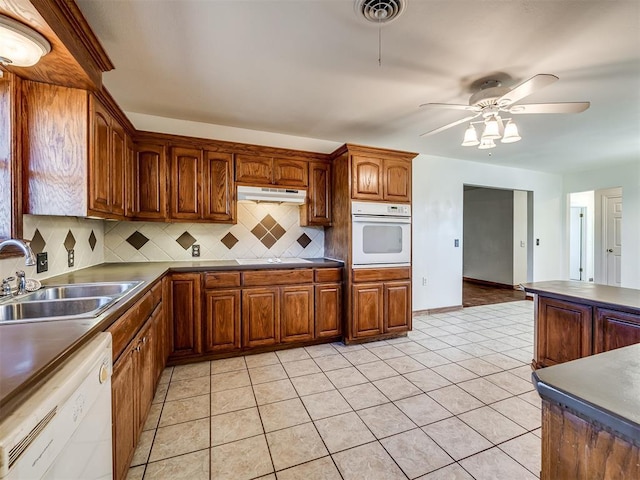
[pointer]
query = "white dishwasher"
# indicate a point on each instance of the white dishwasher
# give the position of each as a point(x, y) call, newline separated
point(63, 430)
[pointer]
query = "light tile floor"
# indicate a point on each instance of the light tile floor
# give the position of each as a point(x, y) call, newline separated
point(452, 400)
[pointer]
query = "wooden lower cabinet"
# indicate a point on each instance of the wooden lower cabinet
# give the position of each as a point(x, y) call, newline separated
point(328, 312)
point(185, 313)
point(260, 317)
point(297, 316)
point(222, 321)
point(397, 306)
point(368, 312)
point(613, 329)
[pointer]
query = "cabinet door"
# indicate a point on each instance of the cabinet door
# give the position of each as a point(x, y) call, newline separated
point(254, 169)
point(160, 335)
point(397, 306)
point(222, 321)
point(118, 162)
point(296, 315)
point(185, 314)
point(145, 372)
point(397, 181)
point(186, 175)
point(219, 192)
point(100, 158)
point(328, 310)
point(614, 329)
point(260, 317)
point(291, 173)
point(318, 209)
point(367, 309)
point(564, 331)
point(366, 183)
point(150, 182)
point(123, 392)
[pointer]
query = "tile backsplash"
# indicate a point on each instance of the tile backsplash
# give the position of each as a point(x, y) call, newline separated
point(263, 230)
point(56, 235)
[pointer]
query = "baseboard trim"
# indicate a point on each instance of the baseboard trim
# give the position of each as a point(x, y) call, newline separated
point(477, 281)
point(431, 311)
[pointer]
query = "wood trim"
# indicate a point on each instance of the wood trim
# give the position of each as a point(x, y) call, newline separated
point(222, 279)
point(477, 281)
point(372, 151)
point(431, 311)
point(380, 274)
point(114, 109)
point(265, 278)
point(328, 275)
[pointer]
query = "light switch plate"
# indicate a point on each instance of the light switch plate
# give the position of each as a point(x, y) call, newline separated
point(42, 262)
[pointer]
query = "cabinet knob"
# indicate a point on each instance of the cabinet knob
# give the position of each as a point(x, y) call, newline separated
point(103, 374)
point(610, 250)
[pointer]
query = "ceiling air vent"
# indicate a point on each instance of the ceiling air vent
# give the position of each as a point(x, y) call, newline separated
point(380, 11)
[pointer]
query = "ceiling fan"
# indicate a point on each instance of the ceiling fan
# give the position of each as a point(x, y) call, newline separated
point(492, 98)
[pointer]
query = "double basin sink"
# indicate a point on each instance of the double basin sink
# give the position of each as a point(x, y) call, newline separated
point(63, 302)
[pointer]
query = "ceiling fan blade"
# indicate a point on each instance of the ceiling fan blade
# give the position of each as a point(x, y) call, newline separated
point(567, 107)
point(452, 106)
point(526, 88)
point(449, 125)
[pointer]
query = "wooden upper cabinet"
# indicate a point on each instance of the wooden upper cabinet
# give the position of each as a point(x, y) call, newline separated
point(366, 181)
point(317, 212)
point(218, 188)
point(149, 182)
point(397, 180)
point(254, 169)
point(186, 178)
point(119, 154)
point(290, 173)
point(99, 158)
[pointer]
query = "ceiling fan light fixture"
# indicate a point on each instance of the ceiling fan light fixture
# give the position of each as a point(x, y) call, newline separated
point(470, 137)
point(491, 129)
point(486, 143)
point(511, 134)
point(20, 45)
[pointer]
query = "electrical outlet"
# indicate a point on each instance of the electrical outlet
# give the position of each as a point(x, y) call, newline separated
point(195, 250)
point(456, 243)
point(537, 242)
point(71, 258)
point(424, 281)
point(522, 244)
point(42, 262)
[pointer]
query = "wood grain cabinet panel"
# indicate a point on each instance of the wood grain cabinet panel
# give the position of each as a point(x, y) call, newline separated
point(397, 306)
point(219, 191)
point(328, 312)
point(145, 371)
point(397, 180)
point(99, 158)
point(185, 312)
point(123, 414)
point(254, 169)
point(368, 314)
point(222, 321)
point(260, 317)
point(367, 178)
point(317, 212)
point(149, 182)
point(119, 155)
point(297, 317)
point(613, 329)
point(291, 173)
point(564, 331)
point(186, 177)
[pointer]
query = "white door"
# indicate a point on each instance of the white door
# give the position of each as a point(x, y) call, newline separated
point(576, 243)
point(613, 239)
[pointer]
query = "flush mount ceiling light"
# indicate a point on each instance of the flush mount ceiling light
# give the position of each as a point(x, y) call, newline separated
point(20, 46)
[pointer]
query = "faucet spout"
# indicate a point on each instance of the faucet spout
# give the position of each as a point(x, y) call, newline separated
point(23, 245)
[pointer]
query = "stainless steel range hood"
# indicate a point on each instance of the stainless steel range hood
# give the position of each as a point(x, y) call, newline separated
point(271, 195)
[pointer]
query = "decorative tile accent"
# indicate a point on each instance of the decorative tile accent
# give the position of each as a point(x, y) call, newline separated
point(268, 240)
point(304, 240)
point(259, 231)
point(229, 240)
point(70, 241)
point(92, 240)
point(186, 240)
point(269, 222)
point(268, 231)
point(37, 242)
point(277, 231)
point(137, 240)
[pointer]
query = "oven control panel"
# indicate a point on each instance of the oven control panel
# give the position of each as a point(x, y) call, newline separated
point(380, 209)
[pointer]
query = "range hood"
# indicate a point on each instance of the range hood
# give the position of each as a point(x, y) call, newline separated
point(272, 195)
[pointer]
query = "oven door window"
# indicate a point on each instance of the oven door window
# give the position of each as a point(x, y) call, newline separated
point(381, 239)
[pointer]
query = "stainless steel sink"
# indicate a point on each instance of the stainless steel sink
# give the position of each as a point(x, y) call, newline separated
point(64, 302)
point(53, 309)
point(82, 290)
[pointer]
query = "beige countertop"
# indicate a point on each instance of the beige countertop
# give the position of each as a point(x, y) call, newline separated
point(29, 352)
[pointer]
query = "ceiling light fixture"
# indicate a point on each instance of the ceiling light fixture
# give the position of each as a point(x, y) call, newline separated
point(380, 13)
point(493, 130)
point(20, 46)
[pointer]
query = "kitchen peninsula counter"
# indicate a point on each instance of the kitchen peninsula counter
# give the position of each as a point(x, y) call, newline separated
point(29, 352)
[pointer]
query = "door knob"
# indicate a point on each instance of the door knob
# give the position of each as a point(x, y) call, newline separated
point(610, 250)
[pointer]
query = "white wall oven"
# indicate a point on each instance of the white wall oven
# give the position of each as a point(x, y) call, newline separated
point(381, 234)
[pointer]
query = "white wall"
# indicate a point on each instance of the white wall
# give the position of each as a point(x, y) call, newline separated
point(519, 237)
point(627, 176)
point(437, 221)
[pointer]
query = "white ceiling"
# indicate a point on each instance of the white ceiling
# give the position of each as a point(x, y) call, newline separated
point(310, 68)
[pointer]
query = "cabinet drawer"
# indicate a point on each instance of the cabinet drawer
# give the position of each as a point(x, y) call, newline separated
point(125, 328)
point(381, 274)
point(156, 293)
point(221, 279)
point(276, 277)
point(328, 275)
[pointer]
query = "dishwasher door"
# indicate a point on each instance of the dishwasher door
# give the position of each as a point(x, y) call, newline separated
point(63, 431)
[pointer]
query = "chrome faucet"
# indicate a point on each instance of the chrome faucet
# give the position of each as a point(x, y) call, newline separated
point(21, 283)
point(23, 245)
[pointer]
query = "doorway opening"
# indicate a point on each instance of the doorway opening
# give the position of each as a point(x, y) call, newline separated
point(497, 244)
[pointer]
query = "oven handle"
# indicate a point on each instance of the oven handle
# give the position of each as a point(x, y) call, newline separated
point(380, 219)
